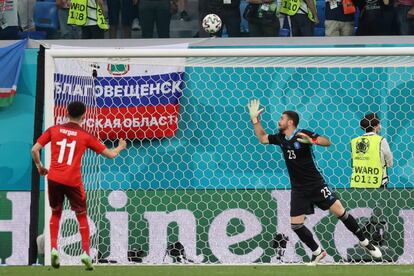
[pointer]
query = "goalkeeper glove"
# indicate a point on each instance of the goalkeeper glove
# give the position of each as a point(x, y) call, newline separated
point(305, 139)
point(254, 111)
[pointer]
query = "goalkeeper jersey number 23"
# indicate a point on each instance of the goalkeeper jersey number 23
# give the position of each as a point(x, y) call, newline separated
point(302, 169)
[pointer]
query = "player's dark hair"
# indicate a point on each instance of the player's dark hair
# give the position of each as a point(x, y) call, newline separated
point(369, 121)
point(292, 115)
point(76, 109)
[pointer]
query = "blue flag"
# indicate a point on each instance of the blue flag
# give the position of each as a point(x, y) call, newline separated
point(10, 63)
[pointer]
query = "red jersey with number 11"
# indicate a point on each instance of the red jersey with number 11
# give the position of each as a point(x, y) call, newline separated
point(68, 144)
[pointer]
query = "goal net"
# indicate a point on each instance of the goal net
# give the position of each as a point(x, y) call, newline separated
point(195, 185)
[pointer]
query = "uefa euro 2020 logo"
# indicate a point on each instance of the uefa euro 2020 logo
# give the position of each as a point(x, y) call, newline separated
point(362, 146)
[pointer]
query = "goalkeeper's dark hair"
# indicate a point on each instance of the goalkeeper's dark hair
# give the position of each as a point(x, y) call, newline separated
point(292, 115)
point(369, 121)
point(76, 109)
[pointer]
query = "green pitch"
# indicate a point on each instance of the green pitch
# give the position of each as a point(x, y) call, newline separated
point(187, 270)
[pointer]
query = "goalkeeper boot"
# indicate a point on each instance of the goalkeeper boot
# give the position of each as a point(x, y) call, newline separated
point(54, 255)
point(317, 258)
point(87, 261)
point(372, 249)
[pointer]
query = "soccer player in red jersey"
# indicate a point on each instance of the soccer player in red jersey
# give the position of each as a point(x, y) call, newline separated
point(68, 144)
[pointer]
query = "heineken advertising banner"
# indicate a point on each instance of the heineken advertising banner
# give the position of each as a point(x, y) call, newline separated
point(219, 226)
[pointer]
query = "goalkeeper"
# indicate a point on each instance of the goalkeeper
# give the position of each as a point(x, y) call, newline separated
point(68, 144)
point(308, 187)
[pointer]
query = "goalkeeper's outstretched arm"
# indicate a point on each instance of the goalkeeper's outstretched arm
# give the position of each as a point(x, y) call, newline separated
point(254, 112)
point(320, 140)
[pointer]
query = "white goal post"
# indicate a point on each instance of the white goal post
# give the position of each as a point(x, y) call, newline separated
point(194, 171)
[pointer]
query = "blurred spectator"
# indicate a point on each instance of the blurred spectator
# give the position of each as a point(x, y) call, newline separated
point(338, 20)
point(155, 13)
point(302, 17)
point(202, 12)
point(88, 14)
point(183, 7)
point(25, 14)
point(126, 8)
point(251, 14)
point(229, 13)
point(390, 17)
point(66, 31)
point(135, 18)
point(262, 18)
point(405, 16)
point(9, 24)
point(372, 19)
point(244, 24)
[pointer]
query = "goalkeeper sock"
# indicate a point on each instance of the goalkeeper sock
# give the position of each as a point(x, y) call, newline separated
point(305, 236)
point(352, 225)
point(54, 227)
point(84, 231)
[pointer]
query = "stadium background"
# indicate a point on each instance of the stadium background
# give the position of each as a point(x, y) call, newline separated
point(16, 123)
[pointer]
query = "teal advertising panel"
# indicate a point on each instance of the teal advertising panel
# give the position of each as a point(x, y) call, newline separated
point(215, 146)
point(16, 124)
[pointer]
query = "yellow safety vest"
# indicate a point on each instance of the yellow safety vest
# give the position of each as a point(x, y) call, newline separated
point(78, 14)
point(291, 7)
point(367, 170)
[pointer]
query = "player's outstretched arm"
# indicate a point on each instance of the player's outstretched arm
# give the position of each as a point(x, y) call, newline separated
point(254, 112)
point(320, 140)
point(112, 153)
point(36, 159)
point(323, 141)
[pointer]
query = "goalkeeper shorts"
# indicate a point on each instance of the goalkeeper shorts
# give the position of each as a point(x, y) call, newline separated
point(303, 202)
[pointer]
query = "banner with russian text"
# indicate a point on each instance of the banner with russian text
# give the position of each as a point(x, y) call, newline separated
point(125, 98)
point(11, 58)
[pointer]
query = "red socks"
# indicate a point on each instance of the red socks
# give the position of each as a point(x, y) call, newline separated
point(84, 231)
point(54, 227)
